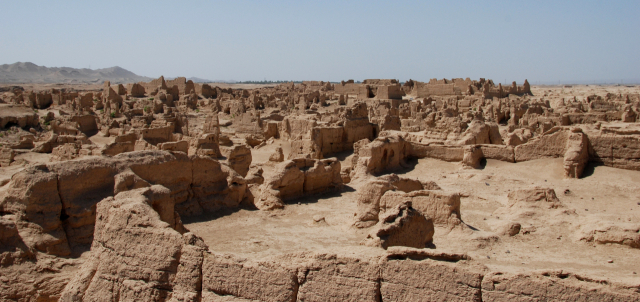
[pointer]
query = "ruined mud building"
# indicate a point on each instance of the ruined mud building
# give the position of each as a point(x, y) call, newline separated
point(121, 199)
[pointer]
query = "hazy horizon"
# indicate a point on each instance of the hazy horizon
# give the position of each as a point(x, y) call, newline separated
point(546, 42)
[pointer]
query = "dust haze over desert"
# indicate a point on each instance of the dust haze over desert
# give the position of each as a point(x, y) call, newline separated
point(359, 151)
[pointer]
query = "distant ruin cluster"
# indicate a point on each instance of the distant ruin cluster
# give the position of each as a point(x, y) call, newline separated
point(126, 164)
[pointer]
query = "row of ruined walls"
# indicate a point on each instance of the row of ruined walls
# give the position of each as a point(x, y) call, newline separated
point(182, 268)
point(392, 148)
point(178, 86)
point(455, 87)
point(139, 252)
point(308, 136)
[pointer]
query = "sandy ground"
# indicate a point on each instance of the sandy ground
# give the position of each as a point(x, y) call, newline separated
point(605, 194)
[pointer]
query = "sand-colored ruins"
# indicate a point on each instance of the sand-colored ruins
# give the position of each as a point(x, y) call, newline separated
point(445, 190)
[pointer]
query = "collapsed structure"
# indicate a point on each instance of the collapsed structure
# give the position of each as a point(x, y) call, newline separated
point(103, 187)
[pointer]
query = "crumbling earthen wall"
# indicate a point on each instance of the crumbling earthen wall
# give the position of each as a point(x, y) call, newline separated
point(140, 251)
point(347, 88)
point(296, 178)
point(391, 150)
point(17, 116)
point(618, 149)
point(58, 199)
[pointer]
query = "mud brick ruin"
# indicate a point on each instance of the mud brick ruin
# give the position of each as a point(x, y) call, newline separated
point(445, 190)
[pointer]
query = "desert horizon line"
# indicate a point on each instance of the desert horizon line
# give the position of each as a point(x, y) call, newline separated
point(268, 80)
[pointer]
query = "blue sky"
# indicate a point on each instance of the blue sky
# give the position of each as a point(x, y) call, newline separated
point(543, 41)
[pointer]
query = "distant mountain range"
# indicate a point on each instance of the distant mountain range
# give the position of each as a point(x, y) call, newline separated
point(27, 72)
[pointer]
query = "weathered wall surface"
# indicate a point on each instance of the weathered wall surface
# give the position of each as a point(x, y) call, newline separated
point(57, 201)
point(396, 277)
point(299, 177)
point(391, 149)
point(139, 253)
point(618, 150)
